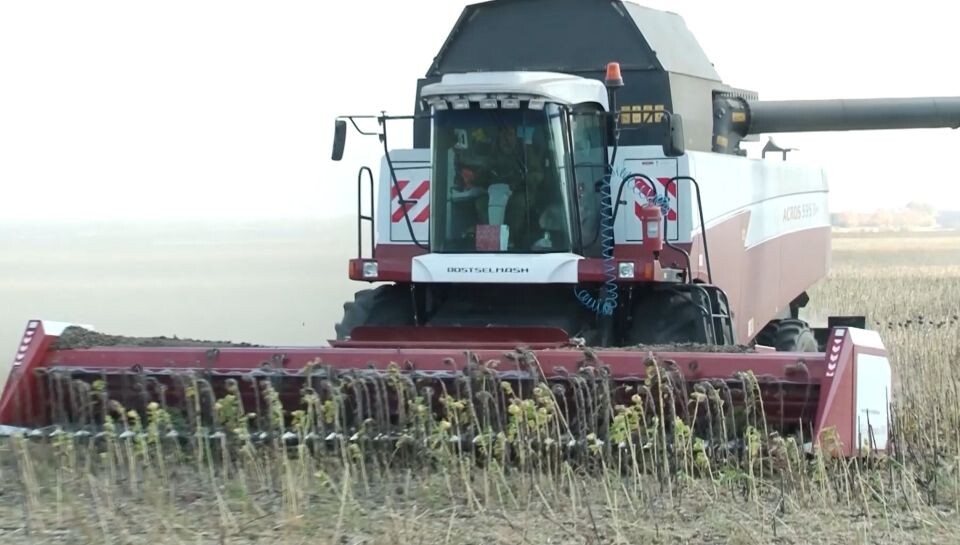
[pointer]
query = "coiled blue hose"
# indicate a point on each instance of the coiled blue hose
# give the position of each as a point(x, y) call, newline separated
point(606, 305)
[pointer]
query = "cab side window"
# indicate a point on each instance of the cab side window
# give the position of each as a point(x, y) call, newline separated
point(590, 163)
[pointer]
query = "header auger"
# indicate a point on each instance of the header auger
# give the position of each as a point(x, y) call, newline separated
point(574, 255)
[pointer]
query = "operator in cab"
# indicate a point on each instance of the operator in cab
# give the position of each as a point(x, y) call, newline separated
point(507, 170)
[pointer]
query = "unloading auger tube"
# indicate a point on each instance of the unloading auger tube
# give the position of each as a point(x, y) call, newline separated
point(737, 117)
point(775, 116)
point(67, 379)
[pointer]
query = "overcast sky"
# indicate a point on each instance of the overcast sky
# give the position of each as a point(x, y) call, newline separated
point(225, 109)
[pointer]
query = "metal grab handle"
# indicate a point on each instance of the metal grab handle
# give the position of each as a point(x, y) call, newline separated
point(361, 217)
point(703, 225)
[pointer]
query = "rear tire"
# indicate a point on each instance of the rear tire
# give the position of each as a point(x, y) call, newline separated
point(789, 335)
point(387, 305)
point(768, 335)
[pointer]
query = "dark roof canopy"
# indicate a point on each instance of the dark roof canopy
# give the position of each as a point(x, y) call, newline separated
point(573, 36)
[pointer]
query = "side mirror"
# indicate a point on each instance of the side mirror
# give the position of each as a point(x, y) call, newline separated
point(674, 145)
point(339, 139)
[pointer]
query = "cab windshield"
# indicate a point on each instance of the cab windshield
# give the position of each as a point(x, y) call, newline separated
point(500, 181)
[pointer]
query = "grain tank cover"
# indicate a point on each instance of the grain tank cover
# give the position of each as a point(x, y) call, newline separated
point(663, 66)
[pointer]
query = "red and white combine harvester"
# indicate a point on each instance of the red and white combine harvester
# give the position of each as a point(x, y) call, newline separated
point(573, 212)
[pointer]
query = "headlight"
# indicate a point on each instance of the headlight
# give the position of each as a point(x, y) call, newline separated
point(370, 269)
point(626, 270)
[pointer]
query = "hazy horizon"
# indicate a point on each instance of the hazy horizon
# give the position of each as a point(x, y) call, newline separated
point(277, 283)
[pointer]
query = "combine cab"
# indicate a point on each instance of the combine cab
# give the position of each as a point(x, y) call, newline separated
point(576, 240)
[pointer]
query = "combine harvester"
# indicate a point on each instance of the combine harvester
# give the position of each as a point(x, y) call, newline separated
point(576, 221)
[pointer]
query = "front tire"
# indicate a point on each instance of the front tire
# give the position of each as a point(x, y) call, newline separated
point(386, 305)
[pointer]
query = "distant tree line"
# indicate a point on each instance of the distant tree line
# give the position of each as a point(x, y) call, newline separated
point(914, 215)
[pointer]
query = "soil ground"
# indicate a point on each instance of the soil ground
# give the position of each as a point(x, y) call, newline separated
point(397, 508)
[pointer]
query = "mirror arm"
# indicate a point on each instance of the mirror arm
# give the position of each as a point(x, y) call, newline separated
point(353, 121)
point(340, 134)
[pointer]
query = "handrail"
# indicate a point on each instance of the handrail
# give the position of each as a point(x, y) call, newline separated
point(703, 225)
point(361, 217)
